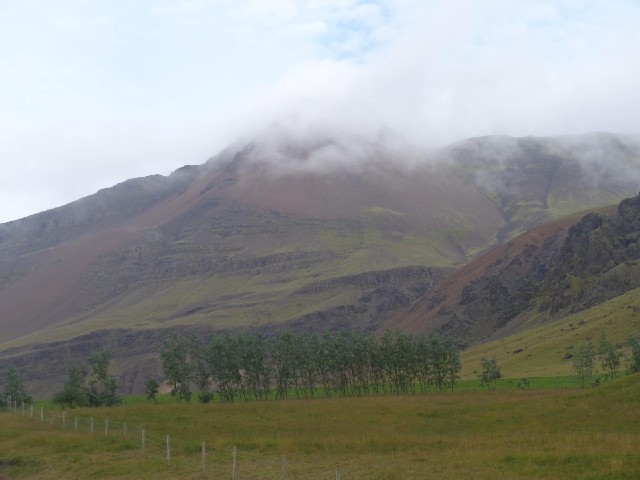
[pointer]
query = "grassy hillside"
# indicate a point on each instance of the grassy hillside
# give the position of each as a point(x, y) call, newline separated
point(541, 351)
point(572, 434)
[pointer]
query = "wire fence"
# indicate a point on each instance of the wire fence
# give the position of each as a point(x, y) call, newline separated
point(197, 457)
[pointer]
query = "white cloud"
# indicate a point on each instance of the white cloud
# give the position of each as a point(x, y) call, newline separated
point(92, 93)
point(492, 68)
point(313, 28)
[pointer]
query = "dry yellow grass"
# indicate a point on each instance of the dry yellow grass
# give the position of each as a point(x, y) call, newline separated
point(577, 434)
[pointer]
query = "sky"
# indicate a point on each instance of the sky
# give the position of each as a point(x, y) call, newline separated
point(95, 92)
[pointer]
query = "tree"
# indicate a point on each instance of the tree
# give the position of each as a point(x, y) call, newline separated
point(84, 390)
point(609, 356)
point(102, 388)
point(252, 354)
point(201, 372)
point(14, 389)
point(490, 372)
point(74, 393)
point(437, 373)
point(453, 365)
point(310, 368)
point(584, 362)
point(151, 387)
point(282, 349)
point(178, 367)
point(634, 363)
point(224, 365)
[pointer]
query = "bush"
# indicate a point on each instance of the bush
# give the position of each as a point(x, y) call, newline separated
point(205, 397)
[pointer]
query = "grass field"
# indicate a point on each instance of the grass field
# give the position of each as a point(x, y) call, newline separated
point(506, 433)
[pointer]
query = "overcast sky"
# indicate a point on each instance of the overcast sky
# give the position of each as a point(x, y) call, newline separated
point(96, 92)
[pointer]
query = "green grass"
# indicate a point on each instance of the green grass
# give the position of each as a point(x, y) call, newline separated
point(506, 433)
point(469, 385)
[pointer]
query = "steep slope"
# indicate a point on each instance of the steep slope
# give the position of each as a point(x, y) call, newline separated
point(545, 274)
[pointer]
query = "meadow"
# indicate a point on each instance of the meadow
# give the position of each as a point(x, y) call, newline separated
point(550, 430)
point(510, 433)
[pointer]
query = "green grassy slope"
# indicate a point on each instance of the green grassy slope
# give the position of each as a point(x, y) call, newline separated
point(540, 351)
point(559, 434)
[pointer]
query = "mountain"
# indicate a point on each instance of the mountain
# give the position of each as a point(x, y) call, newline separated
point(282, 233)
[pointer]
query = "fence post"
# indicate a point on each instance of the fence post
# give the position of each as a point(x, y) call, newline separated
point(106, 427)
point(23, 409)
point(42, 414)
point(168, 450)
point(124, 431)
point(284, 467)
point(204, 459)
point(235, 463)
point(143, 440)
point(91, 426)
point(338, 472)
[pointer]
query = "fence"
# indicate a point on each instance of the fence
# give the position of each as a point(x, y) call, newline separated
point(148, 443)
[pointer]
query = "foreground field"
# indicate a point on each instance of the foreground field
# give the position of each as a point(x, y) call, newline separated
point(572, 433)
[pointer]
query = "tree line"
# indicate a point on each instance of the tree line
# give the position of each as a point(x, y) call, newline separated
point(253, 366)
